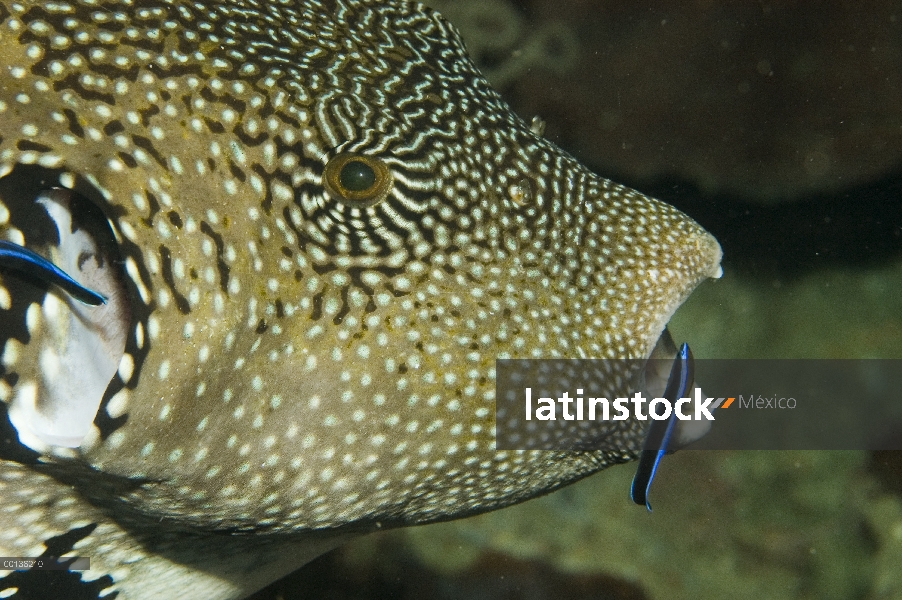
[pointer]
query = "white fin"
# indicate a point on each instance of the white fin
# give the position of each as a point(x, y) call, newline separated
point(80, 346)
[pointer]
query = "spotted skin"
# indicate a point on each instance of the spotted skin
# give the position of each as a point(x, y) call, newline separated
point(299, 369)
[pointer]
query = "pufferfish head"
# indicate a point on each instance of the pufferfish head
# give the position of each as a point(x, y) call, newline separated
point(317, 232)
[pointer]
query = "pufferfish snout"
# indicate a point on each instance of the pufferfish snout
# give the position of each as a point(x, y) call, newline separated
point(325, 229)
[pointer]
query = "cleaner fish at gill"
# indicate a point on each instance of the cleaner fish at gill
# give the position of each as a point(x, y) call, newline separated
point(316, 227)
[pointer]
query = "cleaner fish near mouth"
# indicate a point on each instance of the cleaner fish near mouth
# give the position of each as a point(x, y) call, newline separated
point(662, 435)
point(316, 227)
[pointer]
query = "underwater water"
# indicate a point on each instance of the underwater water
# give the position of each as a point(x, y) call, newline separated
point(775, 125)
point(778, 127)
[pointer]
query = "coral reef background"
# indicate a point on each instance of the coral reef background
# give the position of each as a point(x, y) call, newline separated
point(778, 126)
point(765, 100)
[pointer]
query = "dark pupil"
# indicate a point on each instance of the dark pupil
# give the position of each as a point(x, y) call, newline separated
point(357, 176)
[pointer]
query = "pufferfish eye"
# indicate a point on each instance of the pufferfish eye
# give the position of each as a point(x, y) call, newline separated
point(357, 180)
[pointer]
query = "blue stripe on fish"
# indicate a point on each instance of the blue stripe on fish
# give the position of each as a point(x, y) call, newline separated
point(659, 434)
point(22, 259)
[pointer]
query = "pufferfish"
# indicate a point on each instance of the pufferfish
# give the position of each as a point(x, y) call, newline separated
point(315, 228)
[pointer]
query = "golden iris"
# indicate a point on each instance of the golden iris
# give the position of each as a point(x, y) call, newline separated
point(357, 179)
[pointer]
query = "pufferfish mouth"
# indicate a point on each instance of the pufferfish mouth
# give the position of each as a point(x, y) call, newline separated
point(52, 232)
point(653, 381)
